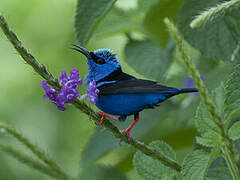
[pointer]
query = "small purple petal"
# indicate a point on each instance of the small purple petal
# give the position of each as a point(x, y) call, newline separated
point(50, 92)
point(188, 83)
point(61, 108)
point(92, 92)
point(63, 78)
point(74, 74)
point(68, 92)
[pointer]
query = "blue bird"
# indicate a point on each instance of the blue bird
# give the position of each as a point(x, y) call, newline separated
point(120, 93)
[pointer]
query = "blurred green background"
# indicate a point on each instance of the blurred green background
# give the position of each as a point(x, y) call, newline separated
point(46, 28)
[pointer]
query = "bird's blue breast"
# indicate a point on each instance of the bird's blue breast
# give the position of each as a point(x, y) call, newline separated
point(126, 104)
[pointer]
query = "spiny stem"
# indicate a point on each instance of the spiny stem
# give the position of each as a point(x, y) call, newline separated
point(36, 150)
point(30, 162)
point(195, 75)
point(42, 70)
point(201, 87)
point(211, 13)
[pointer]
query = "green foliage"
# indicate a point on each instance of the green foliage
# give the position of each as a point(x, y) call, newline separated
point(211, 13)
point(150, 169)
point(149, 59)
point(153, 22)
point(232, 94)
point(100, 172)
point(226, 98)
point(117, 21)
point(218, 170)
point(99, 143)
point(150, 52)
point(210, 134)
point(88, 16)
point(219, 38)
point(234, 131)
point(195, 165)
point(47, 165)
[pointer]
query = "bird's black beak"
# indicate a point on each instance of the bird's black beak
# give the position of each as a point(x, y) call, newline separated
point(81, 50)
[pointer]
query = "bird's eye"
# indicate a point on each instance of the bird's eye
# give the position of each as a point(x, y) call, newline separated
point(100, 61)
point(97, 59)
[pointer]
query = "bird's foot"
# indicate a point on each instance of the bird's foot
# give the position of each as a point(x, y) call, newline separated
point(103, 114)
point(127, 133)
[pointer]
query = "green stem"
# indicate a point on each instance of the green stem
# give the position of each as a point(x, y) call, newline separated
point(231, 166)
point(30, 162)
point(211, 13)
point(36, 150)
point(202, 89)
point(42, 70)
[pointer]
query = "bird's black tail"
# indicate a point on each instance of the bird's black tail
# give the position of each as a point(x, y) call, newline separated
point(187, 90)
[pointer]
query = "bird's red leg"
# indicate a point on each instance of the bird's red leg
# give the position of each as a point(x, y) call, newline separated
point(127, 131)
point(103, 114)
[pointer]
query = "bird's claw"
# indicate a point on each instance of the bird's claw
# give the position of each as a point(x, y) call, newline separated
point(125, 132)
point(102, 118)
point(103, 114)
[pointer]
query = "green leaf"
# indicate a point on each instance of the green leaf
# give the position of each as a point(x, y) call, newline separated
point(217, 39)
point(88, 15)
point(206, 141)
point(151, 169)
point(144, 6)
point(149, 59)
point(234, 131)
point(195, 165)
point(153, 22)
point(100, 172)
point(218, 170)
point(210, 134)
point(101, 142)
point(232, 95)
point(117, 21)
point(218, 98)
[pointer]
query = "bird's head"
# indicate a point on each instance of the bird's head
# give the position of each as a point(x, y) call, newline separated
point(101, 63)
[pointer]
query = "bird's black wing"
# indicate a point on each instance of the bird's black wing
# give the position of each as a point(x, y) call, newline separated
point(135, 86)
point(116, 75)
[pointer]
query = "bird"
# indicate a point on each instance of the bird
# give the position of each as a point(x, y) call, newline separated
point(121, 94)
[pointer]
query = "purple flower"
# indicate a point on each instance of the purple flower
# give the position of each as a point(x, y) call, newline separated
point(73, 81)
point(68, 92)
point(189, 83)
point(50, 92)
point(92, 92)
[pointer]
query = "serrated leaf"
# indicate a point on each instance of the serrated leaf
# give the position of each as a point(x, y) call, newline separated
point(101, 172)
point(222, 33)
point(205, 125)
point(149, 59)
point(195, 165)
point(88, 15)
point(206, 141)
point(232, 95)
point(153, 22)
point(218, 170)
point(102, 141)
point(234, 131)
point(218, 98)
point(151, 169)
